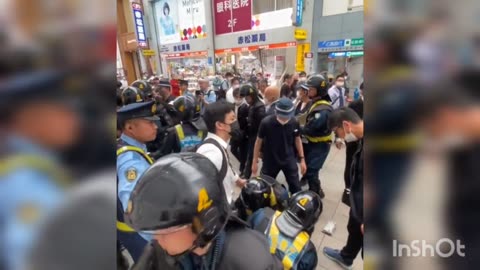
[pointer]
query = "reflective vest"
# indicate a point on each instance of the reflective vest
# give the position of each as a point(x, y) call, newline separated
point(313, 109)
point(291, 250)
point(188, 141)
point(121, 225)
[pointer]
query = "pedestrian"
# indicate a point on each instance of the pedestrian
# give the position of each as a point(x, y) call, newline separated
point(286, 90)
point(289, 232)
point(337, 93)
point(183, 87)
point(239, 140)
point(138, 128)
point(281, 134)
point(262, 85)
point(219, 118)
point(317, 134)
point(272, 94)
point(303, 100)
point(256, 113)
point(189, 219)
point(348, 125)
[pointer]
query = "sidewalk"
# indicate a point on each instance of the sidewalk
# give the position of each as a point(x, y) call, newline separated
point(331, 177)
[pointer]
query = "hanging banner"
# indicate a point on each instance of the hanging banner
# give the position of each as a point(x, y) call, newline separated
point(301, 50)
point(139, 25)
point(192, 24)
point(167, 20)
point(230, 15)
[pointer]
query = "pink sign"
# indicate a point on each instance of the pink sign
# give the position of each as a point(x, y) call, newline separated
point(232, 16)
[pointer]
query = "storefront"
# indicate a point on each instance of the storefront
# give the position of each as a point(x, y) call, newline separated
point(336, 56)
point(184, 38)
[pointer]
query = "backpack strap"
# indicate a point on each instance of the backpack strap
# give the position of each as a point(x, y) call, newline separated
point(225, 161)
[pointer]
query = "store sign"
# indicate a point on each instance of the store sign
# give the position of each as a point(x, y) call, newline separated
point(187, 54)
point(308, 55)
point(300, 34)
point(182, 47)
point(252, 38)
point(345, 54)
point(298, 13)
point(308, 62)
point(191, 19)
point(257, 47)
point(300, 63)
point(273, 19)
point(354, 44)
point(148, 52)
point(230, 15)
point(139, 26)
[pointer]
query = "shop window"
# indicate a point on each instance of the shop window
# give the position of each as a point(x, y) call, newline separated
point(262, 6)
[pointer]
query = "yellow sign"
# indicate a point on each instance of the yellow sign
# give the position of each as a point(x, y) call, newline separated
point(303, 201)
point(148, 52)
point(300, 34)
point(301, 50)
point(204, 201)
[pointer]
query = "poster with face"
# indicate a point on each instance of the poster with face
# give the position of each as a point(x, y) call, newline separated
point(167, 21)
point(192, 22)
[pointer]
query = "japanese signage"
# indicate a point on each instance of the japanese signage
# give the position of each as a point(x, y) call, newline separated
point(148, 52)
point(300, 34)
point(186, 54)
point(257, 47)
point(345, 54)
point(252, 38)
point(301, 49)
point(299, 13)
point(353, 44)
point(139, 26)
point(230, 16)
point(182, 47)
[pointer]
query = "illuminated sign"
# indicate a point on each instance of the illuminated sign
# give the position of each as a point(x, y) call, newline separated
point(139, 25)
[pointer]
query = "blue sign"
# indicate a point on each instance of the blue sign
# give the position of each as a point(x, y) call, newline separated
point(299, 14)
point(253, 38)
point(181, 48)
point(331, 43)
point(337, 54)
point(139, 25)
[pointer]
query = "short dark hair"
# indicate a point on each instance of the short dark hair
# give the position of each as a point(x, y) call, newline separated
point(302, 73)
point(166, 6)
point(236, 92)
point(339, 76)
point(228, 74)
point(336, 118)
point(286, 77)
point(216, 112)
point(235, 79)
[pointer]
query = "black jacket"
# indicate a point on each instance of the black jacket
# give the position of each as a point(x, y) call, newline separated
point(356, 188)
point(256, 113)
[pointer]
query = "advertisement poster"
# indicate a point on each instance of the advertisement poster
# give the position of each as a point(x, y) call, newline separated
point(167, 21)
point(192, 24)
point(230, 15)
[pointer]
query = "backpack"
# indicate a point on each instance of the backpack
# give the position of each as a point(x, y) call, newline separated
point(224, 168)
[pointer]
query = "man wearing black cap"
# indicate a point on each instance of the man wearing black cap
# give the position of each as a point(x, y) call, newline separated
point(138, 127)
point(281, 132)
point(165, 91)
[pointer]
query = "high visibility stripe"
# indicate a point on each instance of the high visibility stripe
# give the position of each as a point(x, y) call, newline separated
point(180, 133)
point(273, 198)
point(290, 252)
point(123, 227)
point(25, 161)
point(327, 138)
point(200, 134)
point(127, 148)
point(394, 143)
point(320, 102)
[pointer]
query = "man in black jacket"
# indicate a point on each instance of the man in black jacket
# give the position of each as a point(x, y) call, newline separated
point(347, 125)
point(256, 113)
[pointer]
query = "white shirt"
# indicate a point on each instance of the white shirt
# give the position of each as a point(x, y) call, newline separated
point(214, 154)
point(334, 96)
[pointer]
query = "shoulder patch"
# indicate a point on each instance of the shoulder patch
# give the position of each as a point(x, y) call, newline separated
point(317, 115)
point(131, 174)
point(28, 213)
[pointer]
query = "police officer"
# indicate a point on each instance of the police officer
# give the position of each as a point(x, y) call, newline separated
point(256, 113)
point(289, 231)
point(145, 88)
point(189, 219)
point(138, 127)
point(261, 192)
point(132, 94)
point(32, 180)
point(316, 132)
point(191, 131)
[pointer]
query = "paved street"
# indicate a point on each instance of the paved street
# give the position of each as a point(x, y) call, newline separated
point(331, 177)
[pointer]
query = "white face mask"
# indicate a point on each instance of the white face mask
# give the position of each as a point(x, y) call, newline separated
point(282, 121)
point(349, 136)
point(239, 102)
point(340, 84)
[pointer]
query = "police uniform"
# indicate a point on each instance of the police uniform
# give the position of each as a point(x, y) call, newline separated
point(317, 140)
point(132, 161)
point(32, 181)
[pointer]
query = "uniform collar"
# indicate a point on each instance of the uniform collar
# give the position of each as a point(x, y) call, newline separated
point(131, 141)
point(223, 143)
point(23, 145)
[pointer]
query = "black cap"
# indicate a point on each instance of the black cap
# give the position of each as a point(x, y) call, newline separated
point(182, 82)
point(165, 83)
point(145, 110)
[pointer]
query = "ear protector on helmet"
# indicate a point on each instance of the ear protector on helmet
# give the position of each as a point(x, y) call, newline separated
point(207, 224)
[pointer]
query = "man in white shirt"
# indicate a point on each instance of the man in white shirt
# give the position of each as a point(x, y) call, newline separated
point(219, 117)
point(337, 93)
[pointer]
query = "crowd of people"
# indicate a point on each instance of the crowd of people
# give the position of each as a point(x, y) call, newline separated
point(176, 183)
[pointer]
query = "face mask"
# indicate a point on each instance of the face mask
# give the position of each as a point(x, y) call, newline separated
point(339, 84)
point(239, 102)
point(350, 137)
point(282, 121)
